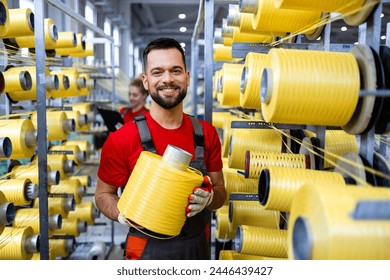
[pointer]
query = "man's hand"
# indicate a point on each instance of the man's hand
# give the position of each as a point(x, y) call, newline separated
point(200, 198)
point(122, 220)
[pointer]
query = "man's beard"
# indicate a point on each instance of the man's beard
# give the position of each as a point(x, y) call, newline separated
point(171, 102)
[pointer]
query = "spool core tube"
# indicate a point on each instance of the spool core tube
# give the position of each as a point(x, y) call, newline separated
point(69, 125)
point(266, 86)
point(248, 6)
point(81, 156)
point(52, 82)
point(32, 244)
point(264, 186)
point(30, 190)
point(244, 79)
point(53, 177)
point(83, 119)
point(70, 245)
point(81, 82)
point(302, 242)
point(232, 18)
point(25, 80)
point(7, 213)
point(69, 166)
point(31, 138)
point(238, 239)
point(65, 82)
point(55, 221)
point(177, 157)
point(3, 14)
point(81, 227)
point(70, 204)
point(53, 32)
point(5, 147)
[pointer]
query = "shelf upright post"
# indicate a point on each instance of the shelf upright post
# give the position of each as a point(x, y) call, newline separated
point(42, 130)
point(208, 60)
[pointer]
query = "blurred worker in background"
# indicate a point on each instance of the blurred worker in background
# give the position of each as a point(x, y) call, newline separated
point(166, 78)
point(137, 99)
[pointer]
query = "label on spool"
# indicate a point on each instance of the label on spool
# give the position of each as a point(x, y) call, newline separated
point(64, 152)
point(59, 108)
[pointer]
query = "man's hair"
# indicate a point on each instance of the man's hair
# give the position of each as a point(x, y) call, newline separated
point(162, 44)
point(137, 82)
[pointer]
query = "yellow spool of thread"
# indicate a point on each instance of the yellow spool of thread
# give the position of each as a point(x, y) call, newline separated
point(237, 183)
point(71, 227)
point(58, 205)
point(85, 211)
point(239, 36)
point(293, 90)
point(267, 140)
point(231, 77)
point(17, 243)
point(21, 23)
point(61, 247)
point(251, 78)
point(69, 186)
point(30, 171)
point(66, 40)
point(5, 20)
point(79, 48)
point(90, 85)
point(75, 82)
point(355, 11)
point(222, 53)
point(7, 212)
point(80, 119)
point(51, 36)
point(22, 135)
point(61, 163)
point(227, 133)
point(333, 222)
point(85, 108)
point(88, 51)
point(17, 79)
point(337, 143)
point(164, 183)
point(19, 191)
point(222, 229)
point(58, 124)
point(279, 185)
point(252, 213)
point(246, 26)
point(261, 241)
point(84, 145)
point(220, 117)
point(255, 161)
point(31, 94)
point(85, 180)
point(63, 85)
point(268, 18)
point(75, 153)
point(233, 255)
point(29, 217)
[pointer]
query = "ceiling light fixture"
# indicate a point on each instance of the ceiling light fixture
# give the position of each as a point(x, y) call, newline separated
point(344, 28)
point(182, 16)
point(183, 29)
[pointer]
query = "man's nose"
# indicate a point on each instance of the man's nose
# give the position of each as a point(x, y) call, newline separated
point(167, 76)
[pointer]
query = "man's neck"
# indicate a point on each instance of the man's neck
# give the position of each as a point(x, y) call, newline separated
point(170, 119)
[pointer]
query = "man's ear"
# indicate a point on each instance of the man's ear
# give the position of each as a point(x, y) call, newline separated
point(145, 81)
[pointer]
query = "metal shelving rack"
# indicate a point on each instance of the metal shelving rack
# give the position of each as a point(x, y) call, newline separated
point(39, 6)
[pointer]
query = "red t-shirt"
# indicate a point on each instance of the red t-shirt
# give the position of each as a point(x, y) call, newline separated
point(123, 147)
point(130, 115)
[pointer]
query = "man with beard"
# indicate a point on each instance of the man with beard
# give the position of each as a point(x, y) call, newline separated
point(166, 78)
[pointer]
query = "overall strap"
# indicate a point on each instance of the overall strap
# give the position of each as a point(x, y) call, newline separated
point(198, 137)
point(144, 133)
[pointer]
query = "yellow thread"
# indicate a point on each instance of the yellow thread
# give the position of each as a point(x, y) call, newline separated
point(252, 139)
point(14, 191)
point(233, 255)
point(223, 230)
point(156, 180)
point(76, 154)
point(85, 211)
point(89, 82)
point(69, 186)
point(252, 213)
point(278, 185)
point(239, 36)
point(12, 242)
point(69, 227)
point(298, 91)
point(321, 221)
point(66, 40)
point(337, 143)
point(74, 83)
point(4, 27)
point(58, 247)
point(231, 78)
point(55, 122)
point(84, 145)
point(251, 78)
point(85, 180)
point(20, 23)
point(262, 241)
point(235, 183)
point(268, 18)
point(56, 162)
point(79, 48)
point(88, 51)
point(16, 130)
point(256, 161)
point(12, 79)
point(223, 53)
point(57, 205)
point(50, 37)
point(3, 200)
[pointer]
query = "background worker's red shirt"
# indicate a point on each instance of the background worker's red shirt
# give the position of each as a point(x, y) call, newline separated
point(123, 147)
point(130, 115)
